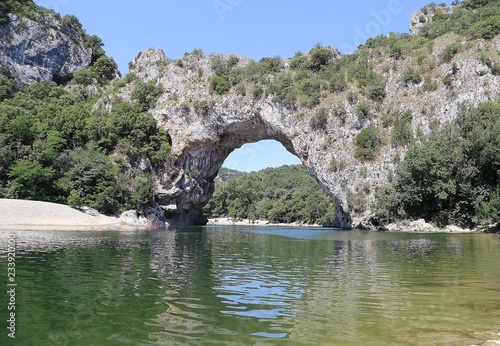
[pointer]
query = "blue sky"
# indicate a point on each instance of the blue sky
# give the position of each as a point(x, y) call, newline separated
point(252, 28)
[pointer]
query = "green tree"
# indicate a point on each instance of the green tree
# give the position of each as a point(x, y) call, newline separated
point(105, 69)
point(7, 88)
point(146, 94)
point(367, 143)
point(30, 180)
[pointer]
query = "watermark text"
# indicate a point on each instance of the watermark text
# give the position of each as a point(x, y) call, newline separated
point(222, 7)
point(11, 286)
point(381, 19)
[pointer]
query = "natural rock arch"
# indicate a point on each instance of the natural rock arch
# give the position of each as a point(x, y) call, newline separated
point(200, 161)
point(205, 127)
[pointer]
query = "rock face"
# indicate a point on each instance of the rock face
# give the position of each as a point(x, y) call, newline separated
point(205, 127)
point(40, 50)
point(424, 16)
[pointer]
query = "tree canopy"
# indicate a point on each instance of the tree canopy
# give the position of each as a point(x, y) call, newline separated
point(281, 195)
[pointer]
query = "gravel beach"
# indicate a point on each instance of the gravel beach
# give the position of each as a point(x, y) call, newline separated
point(34, 215)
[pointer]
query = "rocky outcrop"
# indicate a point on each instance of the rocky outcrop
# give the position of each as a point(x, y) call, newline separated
point(153, 219)
point(420, 18)
point(40, 50)
point(205, 127)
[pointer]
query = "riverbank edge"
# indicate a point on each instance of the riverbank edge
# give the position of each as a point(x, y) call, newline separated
point(421, 226)
point(36, 215)
point(227, 221)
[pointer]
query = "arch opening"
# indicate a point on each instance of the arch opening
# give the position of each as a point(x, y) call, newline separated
point(264, 182)
point(252, 157)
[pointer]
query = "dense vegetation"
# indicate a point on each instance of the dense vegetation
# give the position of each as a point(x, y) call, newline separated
point(474, 19)
point(53, 147)
point(21, 7)
point(451, 177)
point(56, 146)
point(312, 77)
point(286, 194)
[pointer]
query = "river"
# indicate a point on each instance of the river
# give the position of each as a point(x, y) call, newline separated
point(251, 286)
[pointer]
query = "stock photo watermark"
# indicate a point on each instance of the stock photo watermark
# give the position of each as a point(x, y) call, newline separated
point(250, 153)
point(381, 19)
point(54, 4)
point(11, 286)
point(222, 7)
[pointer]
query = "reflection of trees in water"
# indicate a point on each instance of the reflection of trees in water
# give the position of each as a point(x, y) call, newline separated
point(351, 289)
point(231, 284)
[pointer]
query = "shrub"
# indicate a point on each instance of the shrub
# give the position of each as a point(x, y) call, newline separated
point(334, 166)
point(338, 82)
point(105, 69)
point(179, 63)
point(376, 88)
point(298, 62)
point(257, 91)
point(220, 84)
point(447, 80)
point(284, 90)
point(198, 52)
point(488, 208)
point(311, 89)
point(146, 94)
point(367, 143)
point(143, 188)
point(357, 202)
point(320, 120)
point(7, 88)
point(411, 76)
point(430, 85)
point(486, 29)
point(272, 65)
point(449, 52)
point(402, 133)
point(84, 77)
point(232, 61)
point(363, 111)
point(241, 89)
point(319, 57)
point(396, 52)
point(95, 43)
point(219, 65)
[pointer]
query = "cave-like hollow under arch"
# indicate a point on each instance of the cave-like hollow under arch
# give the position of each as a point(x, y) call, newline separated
point(198, 160)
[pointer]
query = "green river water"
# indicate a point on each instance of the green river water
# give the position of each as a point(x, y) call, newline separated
point(251, 286)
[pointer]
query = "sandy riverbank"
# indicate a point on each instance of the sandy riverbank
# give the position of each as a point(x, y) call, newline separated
point(35, 215)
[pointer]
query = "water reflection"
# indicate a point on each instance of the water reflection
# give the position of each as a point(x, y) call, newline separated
point(233, 286)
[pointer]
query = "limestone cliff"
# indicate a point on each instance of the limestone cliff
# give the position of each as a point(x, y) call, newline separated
point(41, 50)
point(205, 127)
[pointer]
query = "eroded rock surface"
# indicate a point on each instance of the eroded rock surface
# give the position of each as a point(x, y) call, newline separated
point(42, 50)
point(205, 127)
